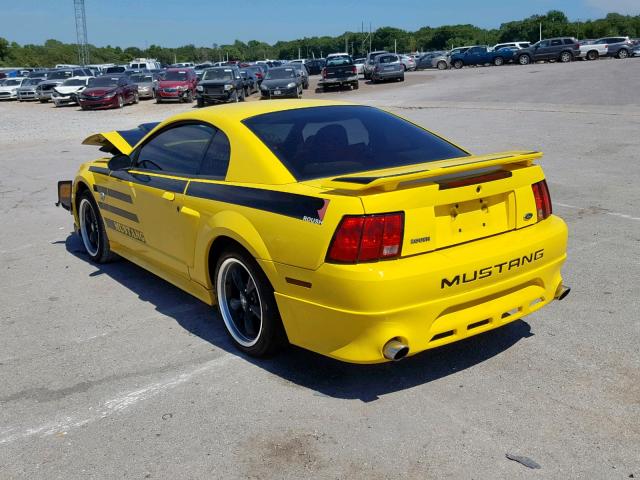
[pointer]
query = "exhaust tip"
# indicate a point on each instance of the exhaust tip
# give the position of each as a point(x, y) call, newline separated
point(395, 350)
point(562, 292)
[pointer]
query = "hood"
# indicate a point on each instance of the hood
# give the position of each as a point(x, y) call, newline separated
point(173, 83)
point(52, 82)
point(278, 82)
point(69, 89)
point(145, 84)
point(9, 88)
point(98, 91)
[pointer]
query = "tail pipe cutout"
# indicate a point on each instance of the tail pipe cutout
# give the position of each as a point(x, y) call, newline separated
point(561, 292)
point(395, 350)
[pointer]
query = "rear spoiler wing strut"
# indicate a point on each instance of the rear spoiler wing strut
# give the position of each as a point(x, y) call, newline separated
point(390, 179)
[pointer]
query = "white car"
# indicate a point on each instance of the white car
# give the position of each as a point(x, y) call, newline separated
point(67, 92)
point(408, 62)
point(359, 63)
point(518, 45)
point(9, 89)
point(592, 51)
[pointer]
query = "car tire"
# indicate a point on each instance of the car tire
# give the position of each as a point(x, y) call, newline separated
point(120, 101)
point(401, 79)
point(153, 94)
point(623, 53)
point(356, 85)
point(458, 64)
point(242, 97)
point(498, 61)
point(524, 59)
point(247, 305)
point(92, 232)
point(565, 57)
point(442, 65)
point(404, 67)
point(136, 98)
point(43, 100)
point(592, 55)
point(200, 103)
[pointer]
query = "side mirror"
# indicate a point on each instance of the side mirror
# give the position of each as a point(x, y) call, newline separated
point(120, 162)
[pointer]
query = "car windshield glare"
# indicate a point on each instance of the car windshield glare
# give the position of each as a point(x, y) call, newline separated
point(336, 61)
point(141, 78)
point(226, 74)
point(337, 140)
point(280, 73)
point(176, 76)
point(103, 82)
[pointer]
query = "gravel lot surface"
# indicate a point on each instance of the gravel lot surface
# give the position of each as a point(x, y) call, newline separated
point(109, 372)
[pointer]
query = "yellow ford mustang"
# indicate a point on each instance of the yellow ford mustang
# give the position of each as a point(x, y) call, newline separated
point(337, 227)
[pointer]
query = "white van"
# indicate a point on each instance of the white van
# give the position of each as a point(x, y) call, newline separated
point(144, 64)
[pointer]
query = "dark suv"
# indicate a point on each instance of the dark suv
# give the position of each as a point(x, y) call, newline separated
point(563, 49)
point(220, 85)
point(619, 47)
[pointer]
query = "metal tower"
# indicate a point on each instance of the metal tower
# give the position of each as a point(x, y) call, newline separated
point(81, 32)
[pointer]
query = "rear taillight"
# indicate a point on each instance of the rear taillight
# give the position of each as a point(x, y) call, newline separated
point(543, 199)
point(367, 238)
point(324, 73)
point(354, 70)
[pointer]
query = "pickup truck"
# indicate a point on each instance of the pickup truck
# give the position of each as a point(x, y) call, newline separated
point(339, 71)
point(481, 56)
point(592, 51)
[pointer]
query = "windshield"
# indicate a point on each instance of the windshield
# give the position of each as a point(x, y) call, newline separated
point(33, 81)
point(73, 82)
point(141, 78)
point(176, 76)
point(218, 74)
point(11, 82)
point(103, 82)
point(336, 140)
point(116, 70)
point(59, 75)
point(334, 61)
point(280, 73)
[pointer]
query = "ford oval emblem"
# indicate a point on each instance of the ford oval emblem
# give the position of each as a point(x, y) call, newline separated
point(528, 216)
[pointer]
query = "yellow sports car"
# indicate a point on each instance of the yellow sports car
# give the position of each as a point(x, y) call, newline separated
point(338, 227)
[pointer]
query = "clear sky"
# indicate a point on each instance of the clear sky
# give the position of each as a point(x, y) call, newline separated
point(172, 23)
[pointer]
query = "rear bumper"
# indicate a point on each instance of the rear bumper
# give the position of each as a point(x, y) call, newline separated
point(386, 75)
point(351, 311)
point(332, 82)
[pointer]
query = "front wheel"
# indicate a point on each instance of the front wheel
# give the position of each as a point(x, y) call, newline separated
point(247, 305)
point(457, 64)
point(442, 65)
point(200, 102)
point(136, 98)
point(120, 101)
point(592, 55)
point(498, 61)
point(92, 232)
point(356, 85)
point(565, 57)
point(524, 59)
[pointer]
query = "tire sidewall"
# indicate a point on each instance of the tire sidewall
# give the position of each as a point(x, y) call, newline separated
point(103, 252)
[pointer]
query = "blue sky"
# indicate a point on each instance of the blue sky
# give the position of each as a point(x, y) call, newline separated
point(173, 23)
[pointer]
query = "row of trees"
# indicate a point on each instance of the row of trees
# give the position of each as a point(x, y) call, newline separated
point(554, 23)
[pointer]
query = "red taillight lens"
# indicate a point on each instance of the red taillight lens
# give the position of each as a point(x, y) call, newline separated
point(354, 70)
point(367, 238)
point(543, 199)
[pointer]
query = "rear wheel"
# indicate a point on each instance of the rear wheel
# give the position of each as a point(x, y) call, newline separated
point(566, 57)
point(592, 55)
point(524, 59)
point(623, 53)
point(92, 232)
point(442, 65)
point(200, 103)
point(247, 305)
point(136, 98)
point(498, 61)
point(356, 85)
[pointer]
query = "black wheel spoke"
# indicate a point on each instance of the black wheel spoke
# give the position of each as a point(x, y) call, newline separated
point(237, 281)
point(235, 304)
point(251, 286)
point(249, 324)
point(255, 310)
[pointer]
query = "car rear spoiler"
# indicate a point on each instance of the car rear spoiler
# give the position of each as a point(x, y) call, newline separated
point(389, 179)
point(120, 141)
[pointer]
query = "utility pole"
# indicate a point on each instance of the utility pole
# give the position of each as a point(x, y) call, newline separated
point(81, 32)
point(346, 46)
point(369, 37)
point(540, 31)
point(395, 46)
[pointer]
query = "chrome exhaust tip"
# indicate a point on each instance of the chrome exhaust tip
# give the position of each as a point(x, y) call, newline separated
point(395, 350)
point(562, 292)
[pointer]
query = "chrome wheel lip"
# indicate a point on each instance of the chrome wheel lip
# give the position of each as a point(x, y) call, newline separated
point(84, 233)
point(225, 309)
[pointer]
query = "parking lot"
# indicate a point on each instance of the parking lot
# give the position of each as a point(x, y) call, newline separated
point(109, 372)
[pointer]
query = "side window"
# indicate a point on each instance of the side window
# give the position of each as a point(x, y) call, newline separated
point(544, 43)
point(555, 43)
point(568, 41)
point(177, 150)
point(216, 159)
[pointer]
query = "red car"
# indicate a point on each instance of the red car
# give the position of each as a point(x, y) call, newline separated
point(109, 91)
point(177, 84)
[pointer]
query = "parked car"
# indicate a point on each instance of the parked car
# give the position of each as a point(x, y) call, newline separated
point(257, 71)
point(479, 55)
point(28, 89)
point(281, 82)
point(316, 65)
point(9, 89)
point(563, 49)
point(369, 63)
point(340, 71)
point(592, 51)
point(178, 84)
point(67, 93)
point(408, 63)
point(518, 45)
point(147, 84)
point(618, 47)
point(250, 83)
point(108, 91)
point(220, 85)
point(387, 67)
point(359, 63)
point(55, 78)
point(304, 73)
point(636, 51)
point(116, 69)
point(144, 64)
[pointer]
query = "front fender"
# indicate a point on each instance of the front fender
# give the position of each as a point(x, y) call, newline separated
point(235, 226)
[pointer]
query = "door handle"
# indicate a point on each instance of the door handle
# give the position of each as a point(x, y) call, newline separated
point(170, 196)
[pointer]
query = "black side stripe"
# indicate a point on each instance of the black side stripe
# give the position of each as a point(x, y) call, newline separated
point(109, 192)
point(282, 203)
point(118, 211)
point(161, 183)
point(100, 170)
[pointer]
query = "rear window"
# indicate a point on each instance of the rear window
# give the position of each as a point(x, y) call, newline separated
point(568, 41)
point(336, 140)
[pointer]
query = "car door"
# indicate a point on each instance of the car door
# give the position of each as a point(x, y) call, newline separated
point(162, 167)
point(542, 50)
point(472, 56)
point(556, 46)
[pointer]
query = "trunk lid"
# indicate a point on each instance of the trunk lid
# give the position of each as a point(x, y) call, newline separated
point(339, 71)
point(449, 202)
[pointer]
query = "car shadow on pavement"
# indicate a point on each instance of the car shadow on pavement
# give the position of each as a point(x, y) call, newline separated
point(327, 377)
